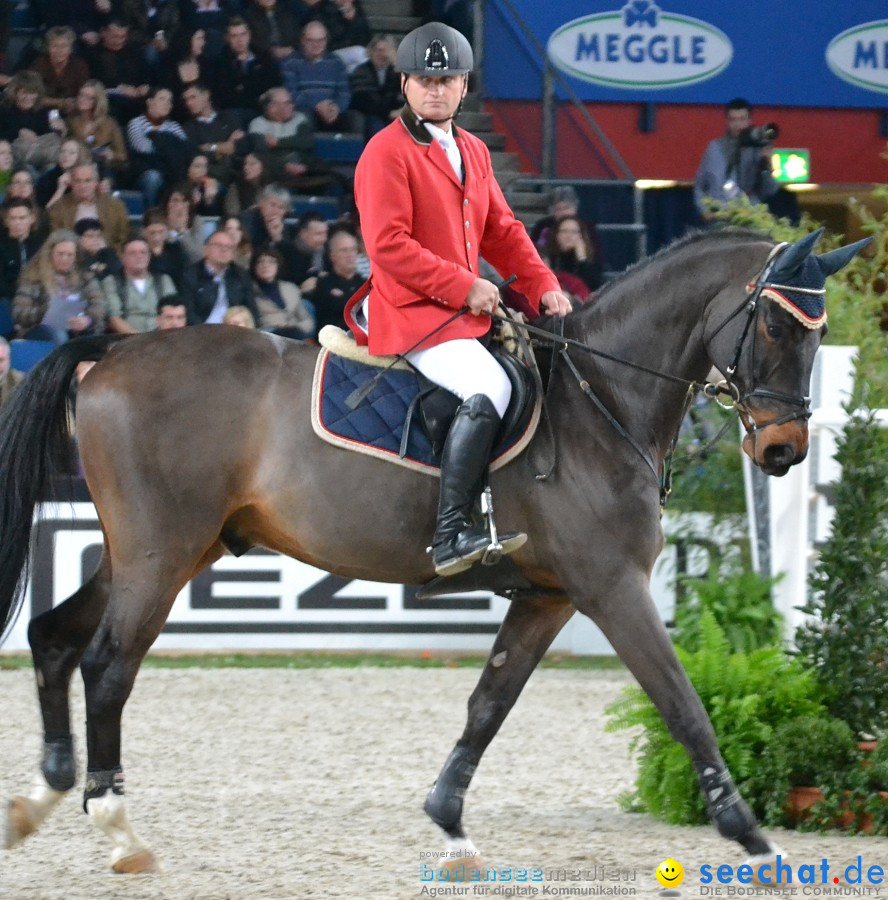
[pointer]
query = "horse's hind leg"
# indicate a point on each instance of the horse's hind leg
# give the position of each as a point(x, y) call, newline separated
point(142, 593)
point(58, 639)
point(527, 631)
point(633, 626)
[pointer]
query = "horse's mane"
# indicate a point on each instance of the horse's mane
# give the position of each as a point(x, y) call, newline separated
point(691, 240)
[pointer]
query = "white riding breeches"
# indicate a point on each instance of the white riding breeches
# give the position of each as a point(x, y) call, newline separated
point(465, 367)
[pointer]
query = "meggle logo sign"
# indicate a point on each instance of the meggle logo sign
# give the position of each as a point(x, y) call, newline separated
point(860, 55)
point(640, 46)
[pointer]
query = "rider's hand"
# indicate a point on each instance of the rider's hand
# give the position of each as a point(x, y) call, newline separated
point(483, 297)
point(555, 303)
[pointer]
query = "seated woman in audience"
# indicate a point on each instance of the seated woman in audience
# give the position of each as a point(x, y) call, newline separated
point(243, 249)
point(243, 192)
point(239, 316)
point(185, 226)
point(158, 144)
point(184, 64)
point(569, 250)
point(92, 125)
point(205, 191)
point(56, 300)
point(53, 183)
point(280, 304)
point(35, 132)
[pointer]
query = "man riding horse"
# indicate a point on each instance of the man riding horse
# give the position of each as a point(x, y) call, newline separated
point(430, 206)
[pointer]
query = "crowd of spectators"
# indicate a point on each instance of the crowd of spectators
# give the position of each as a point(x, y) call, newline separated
point(151, 152)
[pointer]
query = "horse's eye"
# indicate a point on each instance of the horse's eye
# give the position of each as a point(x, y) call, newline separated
point(775, 331)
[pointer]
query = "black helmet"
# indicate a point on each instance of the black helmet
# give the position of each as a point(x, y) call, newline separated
point(434, 49)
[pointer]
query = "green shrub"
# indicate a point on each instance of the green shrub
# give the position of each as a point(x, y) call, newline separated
point(747, 696)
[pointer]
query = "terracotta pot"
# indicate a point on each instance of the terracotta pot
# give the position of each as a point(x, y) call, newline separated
point(799, 801)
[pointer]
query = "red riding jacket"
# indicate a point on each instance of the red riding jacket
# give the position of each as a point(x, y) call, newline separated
point(424, 232)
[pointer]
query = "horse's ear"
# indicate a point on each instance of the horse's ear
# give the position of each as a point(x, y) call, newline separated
point(833, 260)
point(790, 260)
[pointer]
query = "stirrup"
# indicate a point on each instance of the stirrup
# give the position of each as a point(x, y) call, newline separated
point(494, 552)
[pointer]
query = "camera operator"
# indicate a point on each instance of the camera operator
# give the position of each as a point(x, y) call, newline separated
point(737, 163)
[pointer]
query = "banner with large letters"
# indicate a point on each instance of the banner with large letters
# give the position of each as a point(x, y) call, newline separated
point(792, 53)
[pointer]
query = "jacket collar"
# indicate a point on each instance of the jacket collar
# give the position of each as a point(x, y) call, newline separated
point(417, 130)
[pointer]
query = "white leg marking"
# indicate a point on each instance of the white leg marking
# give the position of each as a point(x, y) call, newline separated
point(109, 813)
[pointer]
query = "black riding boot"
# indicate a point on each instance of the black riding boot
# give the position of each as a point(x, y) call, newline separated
point(458, 543)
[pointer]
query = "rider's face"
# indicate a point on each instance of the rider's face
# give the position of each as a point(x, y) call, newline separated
point(435, 97)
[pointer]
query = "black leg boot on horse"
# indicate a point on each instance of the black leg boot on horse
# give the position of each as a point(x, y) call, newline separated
point(458, 543)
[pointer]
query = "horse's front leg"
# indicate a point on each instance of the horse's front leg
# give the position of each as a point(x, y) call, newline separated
point(629, 619)
point(527, 631)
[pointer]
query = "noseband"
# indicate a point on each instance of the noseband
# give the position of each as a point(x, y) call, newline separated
point(728, 386)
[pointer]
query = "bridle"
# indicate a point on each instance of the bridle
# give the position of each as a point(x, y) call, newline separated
point(728, 385)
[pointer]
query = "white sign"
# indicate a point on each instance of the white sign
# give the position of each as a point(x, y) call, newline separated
point(640, 46)
point(860, 55)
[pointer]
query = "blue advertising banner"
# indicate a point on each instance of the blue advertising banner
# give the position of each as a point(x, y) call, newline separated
point(792, 53)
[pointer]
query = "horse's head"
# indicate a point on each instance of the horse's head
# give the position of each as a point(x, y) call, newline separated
point(767, 354)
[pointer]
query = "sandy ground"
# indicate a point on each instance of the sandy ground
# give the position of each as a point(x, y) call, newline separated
point(309, 784)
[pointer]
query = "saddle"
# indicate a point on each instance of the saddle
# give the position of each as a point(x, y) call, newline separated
point(404, 417)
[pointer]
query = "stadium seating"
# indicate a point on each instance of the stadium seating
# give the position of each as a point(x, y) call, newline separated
point(24, 355)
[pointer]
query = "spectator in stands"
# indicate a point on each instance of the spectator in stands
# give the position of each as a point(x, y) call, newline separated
point(215, 134)
point(310, 257)
point(158, 144)
point(563, 201)
point(214, 284)
point(132, 295)
point(376, 86)
point(171, 313)
point(348, 32)
point(56, 299)
point(284, 137)
point(167, 257)
point(334, 288)
point(86, 17)
point(95, 254)
point(121, 67)
point(243, 74)
point(265, 225)
point(185, 226)
point(318, 82)
point(185, 64)
point(569, 250)
point(84, 201)
point(54, 183)
point(243, 248)
point(63, 73)
point(92, 125)
point(307, 10)
point(274, 28)
point(22, 187)
point(205, 191)
point(151, 23)
point(34, 133)
point(7, 165)
point(9, 377)
point(732, 167)
point(280, 304)
point(243, 192)
point(239, 316)
point(19, 245)
point(210, 15)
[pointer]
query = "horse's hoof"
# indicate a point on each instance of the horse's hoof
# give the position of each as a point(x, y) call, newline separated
point(20, 821)
point(774, 860)
point(137, 863)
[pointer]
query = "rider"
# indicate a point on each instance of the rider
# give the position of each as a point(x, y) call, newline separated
point(430, 206)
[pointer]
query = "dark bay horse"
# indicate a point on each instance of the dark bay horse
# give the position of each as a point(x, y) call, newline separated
point(198, 441)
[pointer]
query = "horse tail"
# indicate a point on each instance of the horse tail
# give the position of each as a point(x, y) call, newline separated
point(35, 444)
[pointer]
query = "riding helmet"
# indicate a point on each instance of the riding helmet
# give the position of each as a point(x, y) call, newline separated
point(434, 49)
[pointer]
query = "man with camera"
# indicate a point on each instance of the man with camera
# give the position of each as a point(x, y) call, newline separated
point(738, 163)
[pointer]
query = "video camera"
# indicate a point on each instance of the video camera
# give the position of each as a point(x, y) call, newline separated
point(760, 135)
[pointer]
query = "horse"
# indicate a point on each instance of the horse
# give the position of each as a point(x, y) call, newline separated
point(198, 441)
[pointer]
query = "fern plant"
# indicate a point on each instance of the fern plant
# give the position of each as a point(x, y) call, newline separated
point(747, 696)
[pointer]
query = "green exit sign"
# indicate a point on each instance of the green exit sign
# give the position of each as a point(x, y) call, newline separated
point(791, 166)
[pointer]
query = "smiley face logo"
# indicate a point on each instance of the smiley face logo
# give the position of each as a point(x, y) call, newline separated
point(670, 873)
